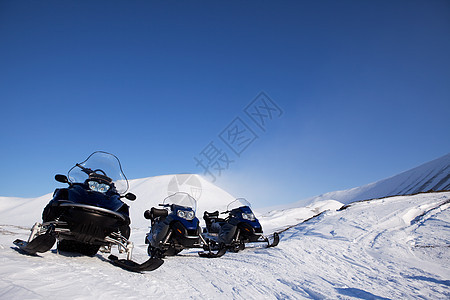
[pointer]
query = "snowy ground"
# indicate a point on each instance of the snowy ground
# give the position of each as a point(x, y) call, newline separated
point(392, 248)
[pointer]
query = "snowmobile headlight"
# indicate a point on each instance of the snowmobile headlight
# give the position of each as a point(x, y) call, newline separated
point(188, 215)
point(103, 188)
point(250, 216)
point(93, 185)
point(98, 187)
point(181, 214)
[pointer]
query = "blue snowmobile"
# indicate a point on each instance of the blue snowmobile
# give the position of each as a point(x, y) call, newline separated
point(231, 233)
point(174, 227)
point(89, 214)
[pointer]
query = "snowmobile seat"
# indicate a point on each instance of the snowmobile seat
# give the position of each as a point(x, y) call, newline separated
point(210, 218)
point(212, 215)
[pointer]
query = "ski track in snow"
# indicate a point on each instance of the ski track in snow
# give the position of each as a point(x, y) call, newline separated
point(392, 248)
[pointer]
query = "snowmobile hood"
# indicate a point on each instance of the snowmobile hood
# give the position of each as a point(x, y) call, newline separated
point(110, 200)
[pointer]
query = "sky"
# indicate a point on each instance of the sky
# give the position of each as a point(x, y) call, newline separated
point(274, 101)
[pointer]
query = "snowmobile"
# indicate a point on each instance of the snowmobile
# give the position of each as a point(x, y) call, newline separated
point(231, 233)
point(89, 214)
point(174, 227)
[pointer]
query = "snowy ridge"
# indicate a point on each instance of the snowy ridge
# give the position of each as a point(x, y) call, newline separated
point(433, 175)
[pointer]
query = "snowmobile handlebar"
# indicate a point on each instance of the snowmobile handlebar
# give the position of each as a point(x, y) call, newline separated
point(97, 172)
point(84, 169)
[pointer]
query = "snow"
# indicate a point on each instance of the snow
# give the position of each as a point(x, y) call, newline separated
point(390, 248)
point(280, 219)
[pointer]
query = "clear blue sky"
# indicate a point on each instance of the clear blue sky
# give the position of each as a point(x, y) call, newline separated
point(363, 88)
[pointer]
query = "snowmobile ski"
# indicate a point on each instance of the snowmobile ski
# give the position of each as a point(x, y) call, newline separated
point(276, 240)
point(150, 265)
point(211, 254)
point(41, 243)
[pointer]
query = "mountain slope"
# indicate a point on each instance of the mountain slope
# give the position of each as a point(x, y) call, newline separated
point(433, 175)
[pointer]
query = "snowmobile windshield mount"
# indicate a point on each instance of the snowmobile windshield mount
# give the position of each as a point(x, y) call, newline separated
point(100, 170)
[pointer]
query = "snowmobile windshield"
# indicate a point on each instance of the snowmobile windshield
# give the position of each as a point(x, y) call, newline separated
point(181, 199)
point(239, 202)
point(99, 171)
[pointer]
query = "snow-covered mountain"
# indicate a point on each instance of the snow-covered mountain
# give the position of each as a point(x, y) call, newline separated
point(151, 191)
point(433, 175)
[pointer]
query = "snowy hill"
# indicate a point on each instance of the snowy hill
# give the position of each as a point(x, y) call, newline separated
point(433, 175)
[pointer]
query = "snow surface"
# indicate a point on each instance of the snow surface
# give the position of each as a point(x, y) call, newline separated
point(391, 248)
